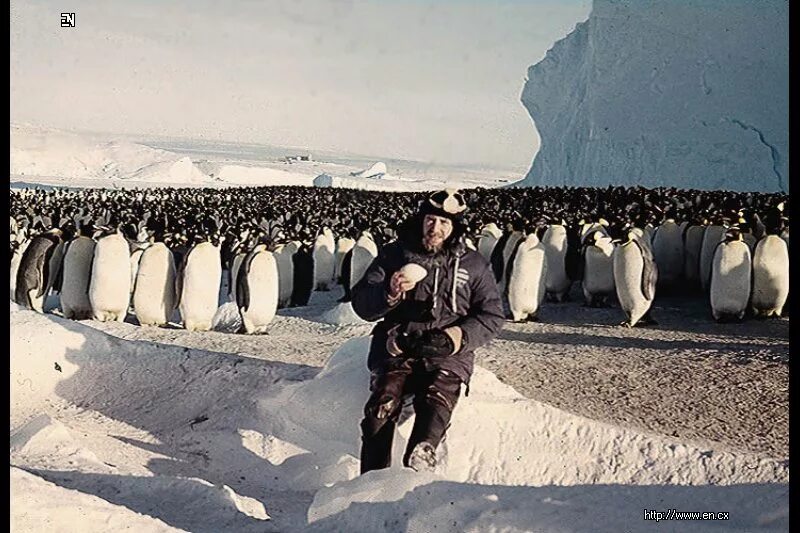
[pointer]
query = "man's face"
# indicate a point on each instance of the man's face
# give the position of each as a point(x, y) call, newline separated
point(435, 230)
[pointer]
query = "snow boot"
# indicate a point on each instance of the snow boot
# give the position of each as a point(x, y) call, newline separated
point(423, 457)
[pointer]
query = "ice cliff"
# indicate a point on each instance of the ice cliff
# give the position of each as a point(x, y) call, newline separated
point(666, 92)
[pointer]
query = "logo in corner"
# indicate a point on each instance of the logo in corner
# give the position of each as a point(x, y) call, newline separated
point(67, 20)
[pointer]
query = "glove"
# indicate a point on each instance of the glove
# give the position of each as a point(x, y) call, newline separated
point(428, 343)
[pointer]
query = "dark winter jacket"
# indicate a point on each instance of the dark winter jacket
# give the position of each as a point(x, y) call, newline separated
point(459, 290)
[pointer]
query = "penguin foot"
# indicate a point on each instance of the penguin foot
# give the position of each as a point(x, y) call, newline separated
point(626, 324)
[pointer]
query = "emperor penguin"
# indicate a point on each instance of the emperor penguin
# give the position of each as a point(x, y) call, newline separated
point(692, 244)
point(635, 277)
point(363, 253)
point(303, 274)
point(323, 260)
point(488, 238)
point(198, 283)
point(598, 269)
point(154, 295)
point(239, 254)
point(284, 259)
point(16, 260)
point(343, 245)
point(110, 285)
point(37, 270)
point(730, 283)
point(526, 279)
point(668, 253)
point(257, 291)
point(713, 235)
point(514, 238)
point(770, 276)
point(78, 259)
point(557, 282)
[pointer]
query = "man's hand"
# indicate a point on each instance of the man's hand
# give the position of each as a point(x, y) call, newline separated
point(399, 284)
point(431, 343)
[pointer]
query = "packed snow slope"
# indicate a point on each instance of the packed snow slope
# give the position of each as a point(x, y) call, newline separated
point(666, 93)
point(52, 157)
point(164, 438)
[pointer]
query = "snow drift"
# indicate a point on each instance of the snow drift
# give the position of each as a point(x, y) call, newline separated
point(664, 93)
point(172, 437)
point(43, 152)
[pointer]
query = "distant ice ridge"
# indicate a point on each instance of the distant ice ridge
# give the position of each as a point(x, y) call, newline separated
point(664, 93)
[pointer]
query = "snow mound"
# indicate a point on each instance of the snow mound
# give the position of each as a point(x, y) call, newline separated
point(45, 152)
point(240, 174)
point(708, 82)
point(342, 315)
point(378, 170)
point(180, 171)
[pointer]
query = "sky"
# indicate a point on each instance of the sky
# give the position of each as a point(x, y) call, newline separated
point(435, 81)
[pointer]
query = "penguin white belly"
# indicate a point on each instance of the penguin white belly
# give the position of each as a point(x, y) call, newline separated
point(236, 264)
point(75, 303)
point(555, 246)
point(363, 255)
point(668, 253)
point(110, 287)
point(628, 269)
point(770, 276)
point(526, 285)
point(691, 253)
point(730, 280)
point(323, 263)
point(486, 244)
point(343, 246)
point(200, 290)
point(285, 265)
point(711, 238)
point(154, 294)
point(262, 285)
point(598, 278)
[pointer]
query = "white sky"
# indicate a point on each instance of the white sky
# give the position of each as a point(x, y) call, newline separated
point(431, 80)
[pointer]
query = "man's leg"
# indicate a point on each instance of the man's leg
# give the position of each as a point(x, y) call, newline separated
point(380, 418)
point(434, 402)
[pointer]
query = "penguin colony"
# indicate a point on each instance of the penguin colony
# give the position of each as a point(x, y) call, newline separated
point(161, 254)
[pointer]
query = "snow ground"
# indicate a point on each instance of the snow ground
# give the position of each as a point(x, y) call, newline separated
point(163, 429)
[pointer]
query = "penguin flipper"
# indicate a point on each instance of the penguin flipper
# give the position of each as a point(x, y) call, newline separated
point(242, 287)
point(43, 266)
point(649, 271)
point(179, 280)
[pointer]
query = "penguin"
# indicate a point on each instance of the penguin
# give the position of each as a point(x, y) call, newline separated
point(77, 274)
point(343, 245)
point(36, 271)
point(257, 291)
point(154, 295)
point(110, 285)
point(323, 260)
point(488, 238)
point(712, 236)
point(284, 254)
point(635, 277)
point(731, 272)
point(198, 283)
point(770, 276)
point(234, 272)
point(363, 253)
point(557, 283)
point(527, 273)
point(692, 244)
point(303, 275)
point(598, 269)
point(16, 260)
point(514, 238)
point(668, 253)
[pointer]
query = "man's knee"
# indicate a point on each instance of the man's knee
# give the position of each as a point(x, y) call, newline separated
point(444, 390)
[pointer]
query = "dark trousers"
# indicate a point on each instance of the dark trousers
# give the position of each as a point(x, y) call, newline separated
point(435, 395)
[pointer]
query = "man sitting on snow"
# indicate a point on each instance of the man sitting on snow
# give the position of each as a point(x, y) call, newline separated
point(430, 329)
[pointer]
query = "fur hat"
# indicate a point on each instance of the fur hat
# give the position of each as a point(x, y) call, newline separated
point(448, 203)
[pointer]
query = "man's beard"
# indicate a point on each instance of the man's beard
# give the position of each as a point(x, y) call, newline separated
point(432, 244)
